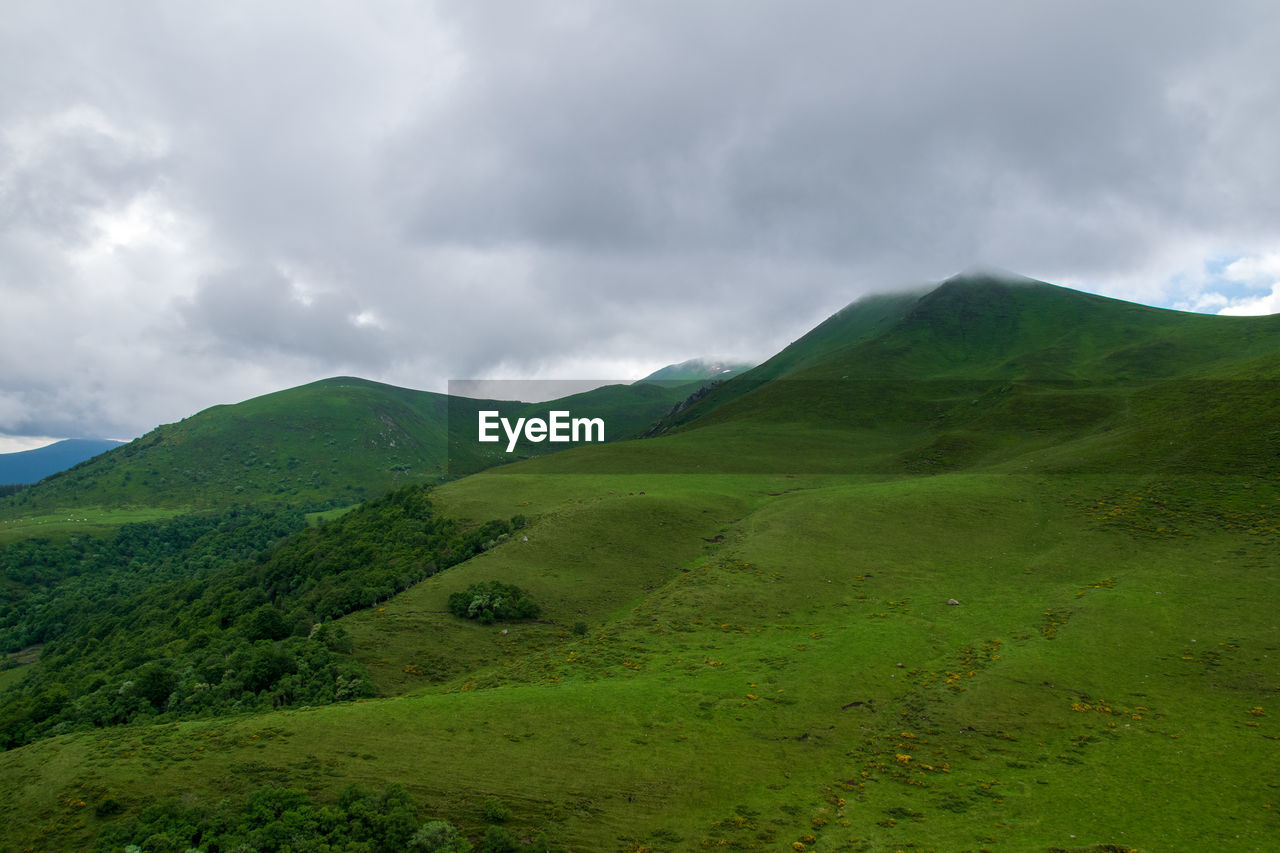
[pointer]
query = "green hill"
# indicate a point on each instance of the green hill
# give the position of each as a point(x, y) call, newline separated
point(983, 370)
point(334, 441)
point(330, 443)
point(1013, 573)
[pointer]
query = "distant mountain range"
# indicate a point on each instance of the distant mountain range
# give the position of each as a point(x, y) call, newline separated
point(31, 466)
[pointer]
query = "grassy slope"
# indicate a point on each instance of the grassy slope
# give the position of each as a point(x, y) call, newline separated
point(93, 522)
point(714, 694)
point(1109, 676)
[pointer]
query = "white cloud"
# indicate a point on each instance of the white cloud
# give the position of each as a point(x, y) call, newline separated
point(1254, 269)
point(1204, 303)
point(1268, 303)
point(1249, 284)
point(17, 444)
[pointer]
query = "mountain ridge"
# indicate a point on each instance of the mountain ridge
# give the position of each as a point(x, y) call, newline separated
point(30, 466)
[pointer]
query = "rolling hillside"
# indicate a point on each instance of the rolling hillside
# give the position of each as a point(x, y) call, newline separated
point(990, 567)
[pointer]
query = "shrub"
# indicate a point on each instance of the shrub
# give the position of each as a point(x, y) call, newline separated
point(491, 601)
point(438, 836)
point(495, 811)
point(109, 807)
point(498, 840)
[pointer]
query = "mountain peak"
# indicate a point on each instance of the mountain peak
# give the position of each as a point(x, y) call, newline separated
point(988, 274)
point(696, 370)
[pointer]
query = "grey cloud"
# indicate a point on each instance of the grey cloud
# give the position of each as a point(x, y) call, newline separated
point(529, 187)
point(58, 169)
point(811, 129)
point(249, 312)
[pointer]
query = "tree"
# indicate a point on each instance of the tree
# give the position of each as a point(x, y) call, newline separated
point(266, 623)
point(154, 683)
point(491, 601)
point(438, 836)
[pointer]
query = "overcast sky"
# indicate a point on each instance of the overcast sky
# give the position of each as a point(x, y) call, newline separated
point(203, 202)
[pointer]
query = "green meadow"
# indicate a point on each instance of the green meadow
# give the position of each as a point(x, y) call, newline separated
point(78, 521)
point(789, 673)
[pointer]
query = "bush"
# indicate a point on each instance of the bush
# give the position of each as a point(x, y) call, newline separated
point(492, 601)
point(498, 840)
point(436, 836)
point(495, 811)
point(108, 808)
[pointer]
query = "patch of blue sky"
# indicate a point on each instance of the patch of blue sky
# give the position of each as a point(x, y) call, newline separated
point(1222, 281)
point(1221, 278)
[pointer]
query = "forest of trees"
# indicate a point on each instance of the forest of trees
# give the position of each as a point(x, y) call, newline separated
point(208, 614)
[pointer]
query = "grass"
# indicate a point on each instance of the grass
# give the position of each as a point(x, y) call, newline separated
point(66, 522)
point(10, 677)
point(329, 514)
point(740, 682)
